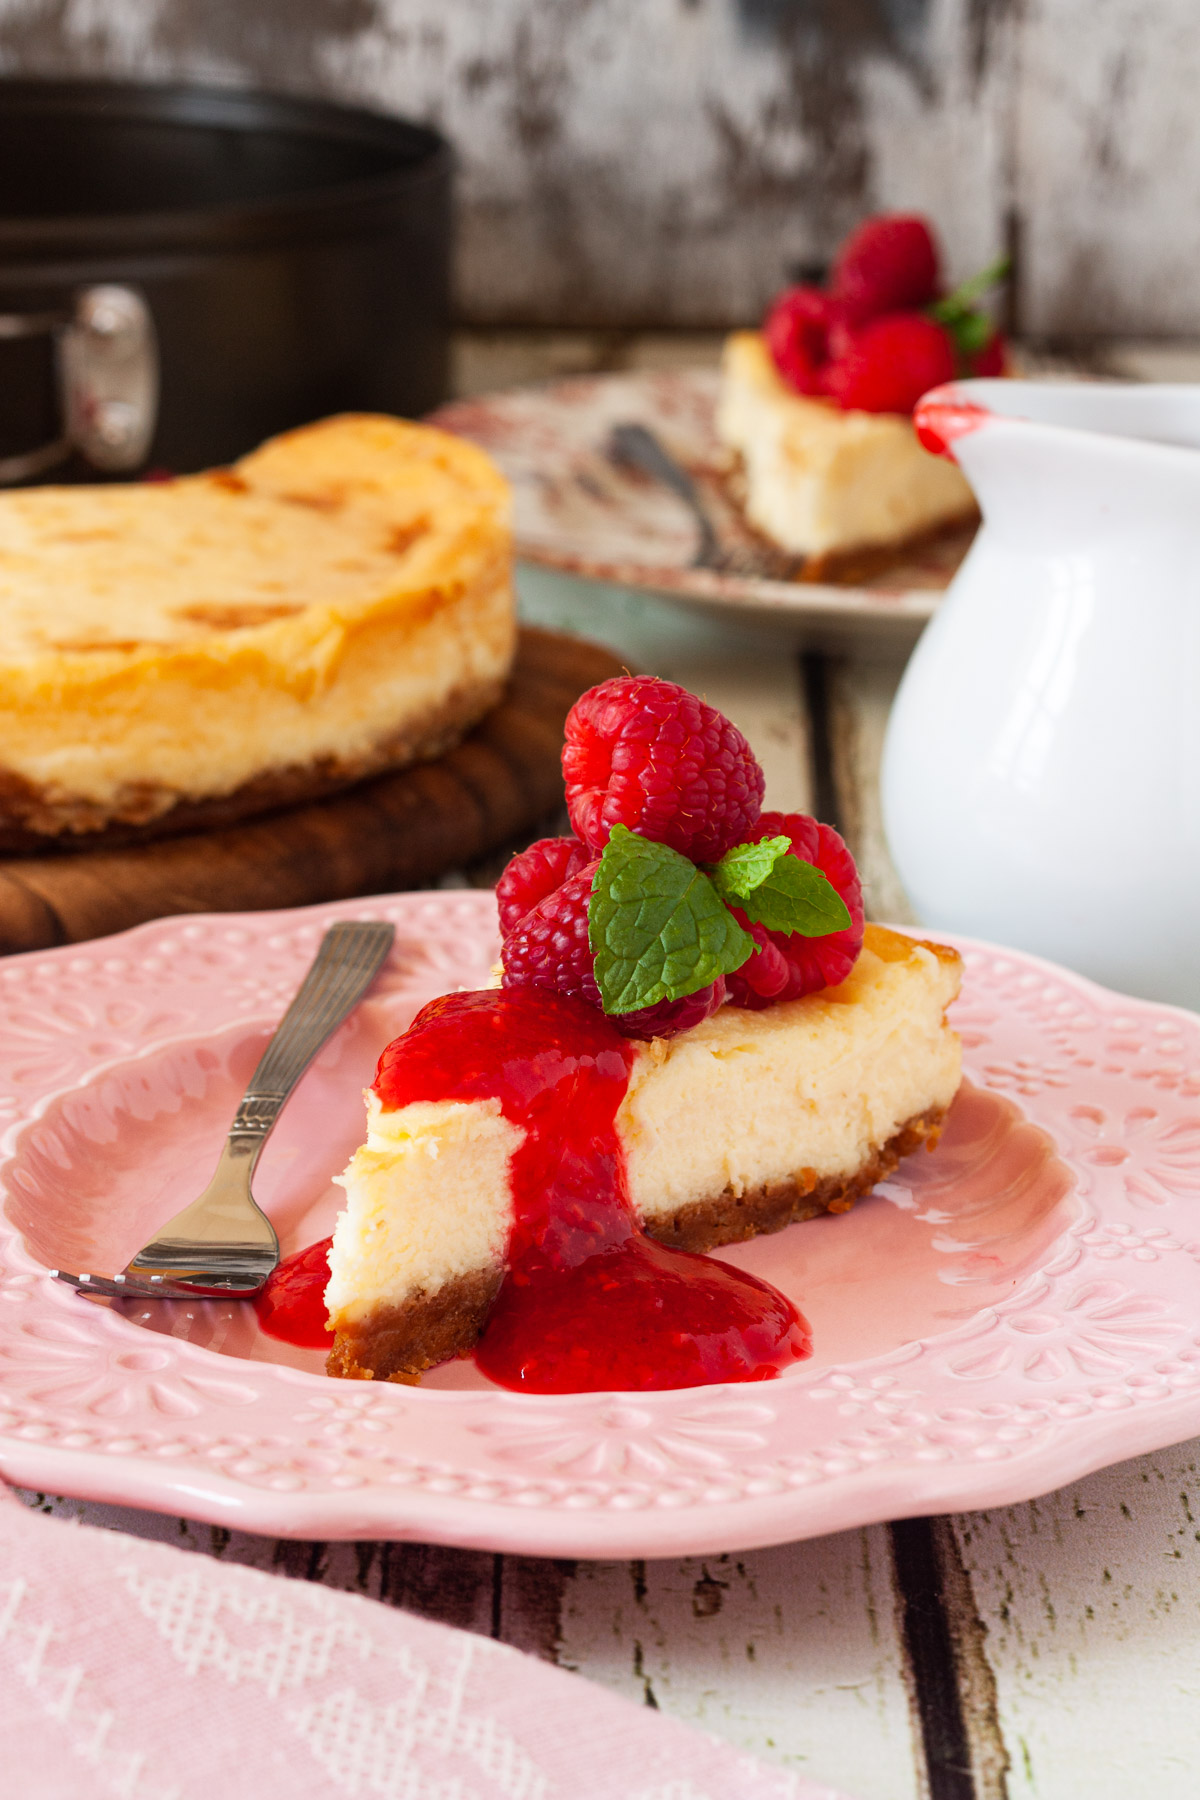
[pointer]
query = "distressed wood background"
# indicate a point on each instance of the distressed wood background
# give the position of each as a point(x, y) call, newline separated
point(634, 162)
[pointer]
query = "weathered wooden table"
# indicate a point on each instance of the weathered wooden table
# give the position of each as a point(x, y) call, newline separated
point(1039, 1652)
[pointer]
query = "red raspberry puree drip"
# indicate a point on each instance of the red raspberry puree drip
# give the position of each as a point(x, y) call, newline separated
point(589, 1302)
point(292, 1304)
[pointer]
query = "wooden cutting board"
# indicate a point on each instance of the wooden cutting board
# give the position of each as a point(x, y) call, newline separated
point(397, 831)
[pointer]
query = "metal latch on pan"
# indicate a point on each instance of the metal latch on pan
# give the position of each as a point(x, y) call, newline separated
point(106, 354)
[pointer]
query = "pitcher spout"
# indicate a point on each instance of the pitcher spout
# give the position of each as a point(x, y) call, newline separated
point(1070, 458)
point(943, 416)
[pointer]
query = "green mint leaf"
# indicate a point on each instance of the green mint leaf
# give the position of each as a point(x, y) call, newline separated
point(778, 890)
point(657, 928)
point(963, 299)
point(971, 332)
point(797, 898)
point(747, 866)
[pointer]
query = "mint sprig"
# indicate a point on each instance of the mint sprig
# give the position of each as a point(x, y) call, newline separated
point(786, 893)
point(660, 928)
point(963, 298)
point(970, 328)
point(657, 927)
point(747, 866)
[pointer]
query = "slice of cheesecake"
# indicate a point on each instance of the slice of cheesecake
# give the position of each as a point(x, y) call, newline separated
point(742, 1124)
point(821, 482)
point(182, 652)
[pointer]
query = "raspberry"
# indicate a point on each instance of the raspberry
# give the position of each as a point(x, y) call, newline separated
point(647, 754)
point(767, 973)
point(669, 1017)
point(889, 265)
point(993, 358)
point(810, 963)
point(797, 329)
point(890, 363)
point(549, 948)
point(535, 873)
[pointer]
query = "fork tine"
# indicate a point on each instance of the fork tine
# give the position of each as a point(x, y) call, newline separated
point(123, 1287)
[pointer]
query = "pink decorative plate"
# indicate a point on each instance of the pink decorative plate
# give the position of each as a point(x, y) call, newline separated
point(579, 512)
point(1007, 1314)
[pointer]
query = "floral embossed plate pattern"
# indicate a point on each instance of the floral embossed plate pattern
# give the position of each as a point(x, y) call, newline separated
point(1002, 1316)
point(577, 511)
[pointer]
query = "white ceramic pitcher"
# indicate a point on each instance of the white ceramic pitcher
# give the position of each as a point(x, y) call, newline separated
point(1041, 781)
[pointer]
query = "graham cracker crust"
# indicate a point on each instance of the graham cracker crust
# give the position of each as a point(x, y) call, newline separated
point(32, 819)
point(850, 568)
point(732, 1218)
point(397, 1343)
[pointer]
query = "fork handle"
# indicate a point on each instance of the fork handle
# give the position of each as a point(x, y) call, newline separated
point(637, 447)
point(350, 957)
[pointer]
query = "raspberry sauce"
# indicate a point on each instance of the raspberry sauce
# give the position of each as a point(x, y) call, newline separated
point(589, 1301)
point(292, 1304)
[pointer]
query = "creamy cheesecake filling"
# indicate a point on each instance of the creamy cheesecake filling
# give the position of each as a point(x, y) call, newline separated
point(805, 1096)
point(426, 1204)
point(341, 600)
point(819, 480)
point(749, 1099)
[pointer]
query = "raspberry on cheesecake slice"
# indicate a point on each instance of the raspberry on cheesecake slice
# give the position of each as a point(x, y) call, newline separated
point(817, 406)
point(696, 1039)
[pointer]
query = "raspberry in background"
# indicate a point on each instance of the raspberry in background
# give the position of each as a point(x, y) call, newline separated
point(888, 265)
point(533, 874)
point(647, 754)
point(549, 948)
point(993, 358)
point(811, 963)
point(890, 363)
point(797, 328)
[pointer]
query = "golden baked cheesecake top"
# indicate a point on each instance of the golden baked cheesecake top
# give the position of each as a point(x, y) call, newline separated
point(343, 517)
point(338, 601)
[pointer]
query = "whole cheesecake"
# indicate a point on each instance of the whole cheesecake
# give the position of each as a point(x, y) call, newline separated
point(181, 652)
point(744, 1123)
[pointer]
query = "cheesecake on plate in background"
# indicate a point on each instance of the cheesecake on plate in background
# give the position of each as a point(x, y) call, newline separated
point(817, 406)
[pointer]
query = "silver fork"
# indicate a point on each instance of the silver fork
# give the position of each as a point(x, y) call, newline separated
point(634, 446)
point(221, 1243)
